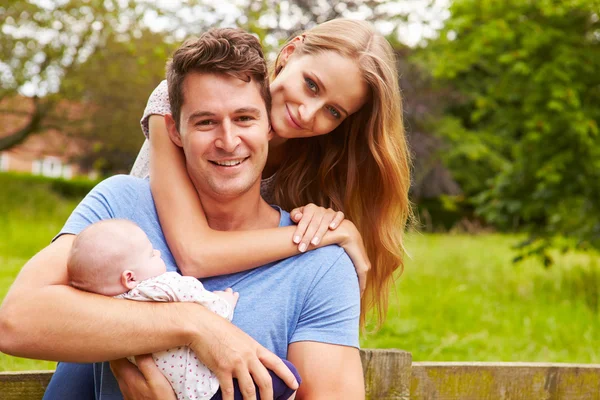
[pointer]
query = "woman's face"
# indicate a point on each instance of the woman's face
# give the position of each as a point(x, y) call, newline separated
point(313, 94)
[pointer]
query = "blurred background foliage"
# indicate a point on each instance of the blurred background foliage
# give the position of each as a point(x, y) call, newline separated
point(501, 99)
point(522, 134)
point(501, 103)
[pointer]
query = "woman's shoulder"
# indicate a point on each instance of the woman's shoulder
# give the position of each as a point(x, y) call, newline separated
point(158, 104)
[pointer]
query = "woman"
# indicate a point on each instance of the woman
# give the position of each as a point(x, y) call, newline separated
point(338, 142)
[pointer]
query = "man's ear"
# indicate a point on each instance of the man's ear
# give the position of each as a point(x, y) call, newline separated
point(128, 279)
point(172, 129)
point(271, 133)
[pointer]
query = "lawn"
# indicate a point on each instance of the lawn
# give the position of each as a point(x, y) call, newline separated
point(30, 215)
point(460, 297)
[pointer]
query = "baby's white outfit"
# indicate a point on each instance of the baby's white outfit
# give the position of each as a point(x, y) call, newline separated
point(190, 379)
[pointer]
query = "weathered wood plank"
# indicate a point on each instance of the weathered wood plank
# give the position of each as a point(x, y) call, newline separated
point(504, 381)
point(387, 377)
point(23, 385)
point(387, 374)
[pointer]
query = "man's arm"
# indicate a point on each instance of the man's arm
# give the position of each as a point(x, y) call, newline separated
point(42, 317)
point(324, 345)
point(328, 371)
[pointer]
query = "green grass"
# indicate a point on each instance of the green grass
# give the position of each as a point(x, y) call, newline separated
point(459, 299)
point(30, 215)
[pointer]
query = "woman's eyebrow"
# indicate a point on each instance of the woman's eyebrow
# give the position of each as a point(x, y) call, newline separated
point(324, 89)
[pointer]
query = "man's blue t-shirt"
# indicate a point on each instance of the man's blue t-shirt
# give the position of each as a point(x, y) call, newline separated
point(309, 297)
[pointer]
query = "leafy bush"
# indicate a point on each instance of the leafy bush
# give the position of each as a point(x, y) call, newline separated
point(524, 137)
point(14, 183)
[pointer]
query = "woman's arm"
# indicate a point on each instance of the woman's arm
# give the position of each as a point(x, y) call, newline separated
point(199, 250)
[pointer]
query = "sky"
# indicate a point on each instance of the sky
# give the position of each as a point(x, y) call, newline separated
point(411, 33)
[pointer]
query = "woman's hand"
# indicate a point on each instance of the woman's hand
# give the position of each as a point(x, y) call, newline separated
point(349, 238)
point(313, 223)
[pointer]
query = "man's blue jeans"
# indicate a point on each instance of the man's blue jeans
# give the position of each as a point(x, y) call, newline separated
point(96, 382)
point(83, 382)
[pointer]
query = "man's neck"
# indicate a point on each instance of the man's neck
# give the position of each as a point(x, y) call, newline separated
point(245, 212)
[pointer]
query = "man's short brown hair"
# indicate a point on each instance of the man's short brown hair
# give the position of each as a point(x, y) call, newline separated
point(218, 51)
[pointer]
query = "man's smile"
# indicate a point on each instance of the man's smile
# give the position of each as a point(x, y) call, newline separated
point(229, 163)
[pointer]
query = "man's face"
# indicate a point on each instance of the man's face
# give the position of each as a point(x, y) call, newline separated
point(224, 131)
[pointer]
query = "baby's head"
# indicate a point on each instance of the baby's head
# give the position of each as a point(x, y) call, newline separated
point(111, 257)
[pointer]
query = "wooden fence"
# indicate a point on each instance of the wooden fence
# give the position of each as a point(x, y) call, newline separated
point(391, 374)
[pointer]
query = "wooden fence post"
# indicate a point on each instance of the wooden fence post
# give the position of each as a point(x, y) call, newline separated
point(24, 385)
point(504, 381)
point(387, 374)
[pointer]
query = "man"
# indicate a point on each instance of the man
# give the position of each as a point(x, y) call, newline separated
point(304, 308)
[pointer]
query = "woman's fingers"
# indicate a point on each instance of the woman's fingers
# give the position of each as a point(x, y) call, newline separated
point(305, 220)
point(313, 223)
point(312, 228)
point(324, 226)
point(337, 220)
point(296, 214)
point(331, 220)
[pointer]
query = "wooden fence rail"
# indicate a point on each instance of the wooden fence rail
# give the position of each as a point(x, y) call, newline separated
point(391, 374)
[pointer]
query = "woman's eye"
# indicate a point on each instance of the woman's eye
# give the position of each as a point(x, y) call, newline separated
point(336, 114)
point(311, 85)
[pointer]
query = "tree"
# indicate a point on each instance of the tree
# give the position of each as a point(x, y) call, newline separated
point(73, 51)
point(42, 42)
point(524, 136)
point(275, 21)
point(113, 86)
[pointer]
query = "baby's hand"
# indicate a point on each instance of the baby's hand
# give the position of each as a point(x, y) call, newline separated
point(229, 296)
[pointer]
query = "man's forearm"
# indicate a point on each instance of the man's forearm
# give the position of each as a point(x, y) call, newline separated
point(43, 317)
point(61, 323)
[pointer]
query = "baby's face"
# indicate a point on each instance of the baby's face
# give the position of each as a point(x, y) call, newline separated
point(156, 265)
point(150, 263)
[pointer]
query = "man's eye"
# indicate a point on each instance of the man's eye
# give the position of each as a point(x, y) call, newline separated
point(246, 118)
point(205, 122)
point(311, 85)
point(336, 114)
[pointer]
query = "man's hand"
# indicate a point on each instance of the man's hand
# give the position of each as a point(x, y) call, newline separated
point(230, 353)
point(144, 382)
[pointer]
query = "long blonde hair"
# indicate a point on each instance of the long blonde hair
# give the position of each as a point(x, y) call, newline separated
point(363, 167)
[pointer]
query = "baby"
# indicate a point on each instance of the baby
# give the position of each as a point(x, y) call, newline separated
point(116, 258)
